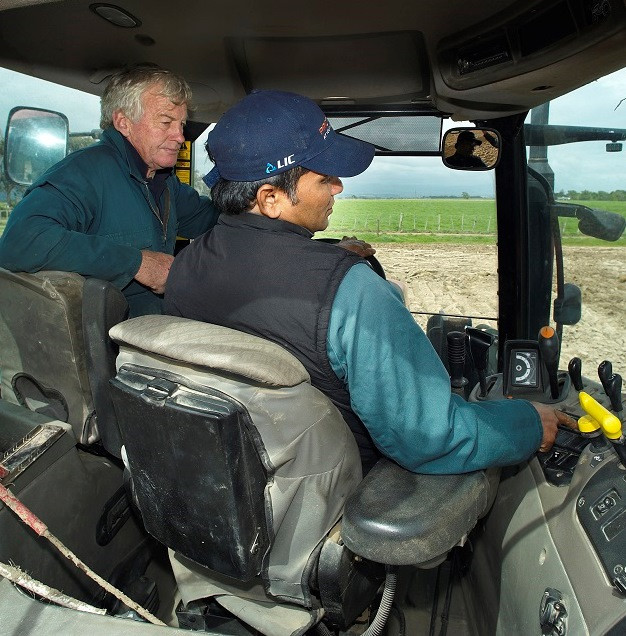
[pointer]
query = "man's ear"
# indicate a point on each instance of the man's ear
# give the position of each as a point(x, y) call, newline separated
point(269, 201)
point(121, 123)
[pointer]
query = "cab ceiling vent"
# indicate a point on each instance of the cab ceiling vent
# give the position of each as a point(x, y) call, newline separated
point(483, 54)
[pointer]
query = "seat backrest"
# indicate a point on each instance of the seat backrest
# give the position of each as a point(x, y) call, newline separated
point(43, 344)
point(229, 444)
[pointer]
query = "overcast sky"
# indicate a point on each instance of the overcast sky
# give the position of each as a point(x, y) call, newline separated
point(576, 166)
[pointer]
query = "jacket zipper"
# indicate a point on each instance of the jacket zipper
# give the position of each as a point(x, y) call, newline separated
point(155, 212)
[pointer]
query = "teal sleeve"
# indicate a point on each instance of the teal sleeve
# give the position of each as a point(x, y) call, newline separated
point(47, 230)
point(401, 391)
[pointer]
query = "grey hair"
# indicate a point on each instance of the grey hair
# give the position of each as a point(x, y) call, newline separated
point(234, 197)
point(125, 90)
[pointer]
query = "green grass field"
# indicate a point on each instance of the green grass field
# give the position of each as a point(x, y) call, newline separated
point(439, 220)
point(435, 221)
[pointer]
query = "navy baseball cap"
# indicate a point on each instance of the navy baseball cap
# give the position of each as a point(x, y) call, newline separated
point(467, 136)
point(269, 132)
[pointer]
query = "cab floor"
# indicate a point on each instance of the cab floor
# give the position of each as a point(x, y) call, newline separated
point(416, 594)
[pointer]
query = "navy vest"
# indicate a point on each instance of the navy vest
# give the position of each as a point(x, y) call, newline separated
point(267, 277)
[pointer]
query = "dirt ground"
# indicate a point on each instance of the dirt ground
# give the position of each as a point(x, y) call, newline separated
point(459, 279)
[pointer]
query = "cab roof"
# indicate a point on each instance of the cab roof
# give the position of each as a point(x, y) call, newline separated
point(470, 60)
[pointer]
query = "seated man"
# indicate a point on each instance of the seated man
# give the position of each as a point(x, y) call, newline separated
point(464, 156)
point(278, 164)
point(113, 210)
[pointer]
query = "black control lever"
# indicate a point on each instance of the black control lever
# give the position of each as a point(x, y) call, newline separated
point(549, 347)
point(605, 371)
point(613, 389)
point(574, 369)
point(479, 343)
point(456, 361)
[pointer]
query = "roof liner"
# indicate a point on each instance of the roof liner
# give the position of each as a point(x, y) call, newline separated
point(406, 52)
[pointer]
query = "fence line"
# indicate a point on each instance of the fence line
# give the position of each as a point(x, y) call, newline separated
point(431, 224)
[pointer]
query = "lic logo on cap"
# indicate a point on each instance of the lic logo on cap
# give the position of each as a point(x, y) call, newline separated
point(281, 163)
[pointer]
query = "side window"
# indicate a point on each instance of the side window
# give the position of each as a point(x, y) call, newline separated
point(202, 165)
point(82, 110)
point(577, 143)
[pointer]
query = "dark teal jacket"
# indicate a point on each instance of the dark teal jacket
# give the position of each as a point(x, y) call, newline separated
point(92, 213)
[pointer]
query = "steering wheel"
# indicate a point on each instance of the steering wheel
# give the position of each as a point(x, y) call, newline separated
point(372, 260)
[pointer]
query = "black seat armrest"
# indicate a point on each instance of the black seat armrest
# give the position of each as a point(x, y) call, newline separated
point(398, 517)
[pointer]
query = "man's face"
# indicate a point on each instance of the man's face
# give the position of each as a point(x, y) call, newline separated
point(316, 195)
point(158, 134)
point(465, 147)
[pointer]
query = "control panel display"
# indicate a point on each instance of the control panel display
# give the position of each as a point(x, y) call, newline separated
point(523, 375)
point(524, 368)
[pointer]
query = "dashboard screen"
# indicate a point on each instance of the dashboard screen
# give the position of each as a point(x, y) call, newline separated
point(524, 368)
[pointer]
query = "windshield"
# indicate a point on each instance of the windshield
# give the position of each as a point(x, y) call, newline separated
point(435, 228)
point(588, 173)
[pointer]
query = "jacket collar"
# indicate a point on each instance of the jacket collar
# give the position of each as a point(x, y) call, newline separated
point(114, 138)
point(260, 222)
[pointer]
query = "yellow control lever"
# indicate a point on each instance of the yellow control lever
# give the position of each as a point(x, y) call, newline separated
point(588, 424)
point(610, 424)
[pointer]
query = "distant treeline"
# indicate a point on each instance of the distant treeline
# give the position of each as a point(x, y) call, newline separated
point(588, 195)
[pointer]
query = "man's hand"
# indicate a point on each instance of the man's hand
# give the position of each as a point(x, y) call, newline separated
point(550, 419)
point(154, 269)
point(353, 244)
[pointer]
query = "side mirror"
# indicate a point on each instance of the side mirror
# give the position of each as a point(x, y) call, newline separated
point(471, 148)
point(35, 140)
point(602, 224)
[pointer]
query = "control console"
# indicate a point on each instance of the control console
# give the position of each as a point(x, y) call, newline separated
point(595, 454)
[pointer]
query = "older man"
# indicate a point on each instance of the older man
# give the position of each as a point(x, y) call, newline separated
point(113, 210)
point(278, 164)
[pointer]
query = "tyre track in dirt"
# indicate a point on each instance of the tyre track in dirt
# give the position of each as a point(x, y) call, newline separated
point(461, 279)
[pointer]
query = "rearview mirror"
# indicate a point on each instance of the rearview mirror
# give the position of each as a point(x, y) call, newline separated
point(471, 148)
point(35, 140)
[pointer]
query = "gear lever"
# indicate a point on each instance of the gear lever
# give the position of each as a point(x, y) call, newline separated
point(605, 371)
point(575, 373)
point(479, 343)
point(549, 347)
point(614, 391)
point(456, 361)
